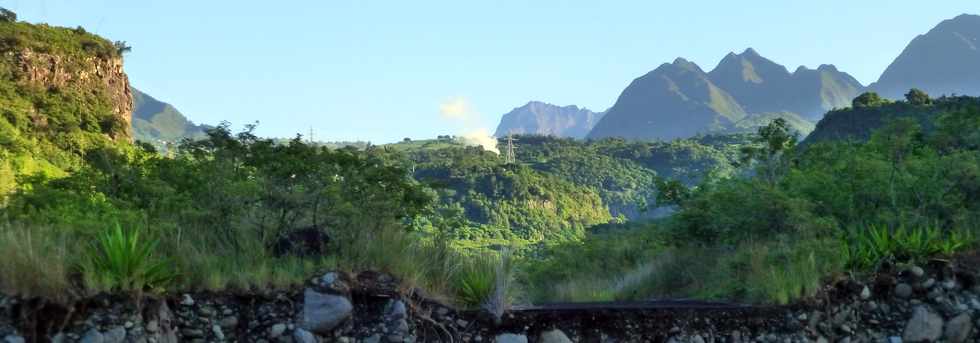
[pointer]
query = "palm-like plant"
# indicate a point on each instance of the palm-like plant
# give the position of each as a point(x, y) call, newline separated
point(124, 261)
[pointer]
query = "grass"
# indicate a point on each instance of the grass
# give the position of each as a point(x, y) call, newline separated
point(35, 262)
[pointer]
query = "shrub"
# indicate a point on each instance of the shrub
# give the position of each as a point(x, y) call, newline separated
point(864, 249)
point(485, 281)
point(122, 260)
point(35, 262)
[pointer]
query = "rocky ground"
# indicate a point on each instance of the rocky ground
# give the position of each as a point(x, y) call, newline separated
point(935, 302)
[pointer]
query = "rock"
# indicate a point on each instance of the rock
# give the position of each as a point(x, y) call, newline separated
point(397, 310)
point(116, 335)
point(958, 329)
point(694, 339)
point(187, 300)
point(324, 312)
point(218, 334)
point(553, 336)
point(928, 283)
point(903, 290)
point(303, 336)
point(865, 293)
point(462, 323)
point(13, 339)
point(894, 339)
point(917, 271)
point(229, 322)
point(510, 338)
point(277, 330)
point(923, 326)
point(375, 338)
point(93, 336)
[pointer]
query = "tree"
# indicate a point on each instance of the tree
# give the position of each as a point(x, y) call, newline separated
point(122, 47)
point(773, 141)
point(7, 15)
point(918, 97)
point(869, 99)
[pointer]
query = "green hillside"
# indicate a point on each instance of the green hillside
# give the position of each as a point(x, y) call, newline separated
point(157, 122)
point(49, 117)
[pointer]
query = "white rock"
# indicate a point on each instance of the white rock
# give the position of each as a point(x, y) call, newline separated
point(303, 336)
point(958, 329)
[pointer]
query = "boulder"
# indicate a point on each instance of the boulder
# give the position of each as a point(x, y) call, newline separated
point(924, 326)
point(959, 328)
point(323, 312)
point(93, 336)
point(303, 336)
point(553, 336)
point(13, 339)
point(510, 338)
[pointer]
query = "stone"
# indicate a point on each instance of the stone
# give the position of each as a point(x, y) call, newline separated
point(894, 339)
point(553, 336)
point(903, 290)
point(929, 283)
point(277, 330)
point(13, 339)
point(694, 339)
point(375, 338)
point(324, 312)
point(397, 309)
point(958, 329)
point(917, 271)
point(462, 323)
point(229, 322)
point(924, 325)
point(116, 335)
point(218, 334)
point(303, 336)
point(93, 336)
point(510, 338)
point(187, 300)
point(865, 293)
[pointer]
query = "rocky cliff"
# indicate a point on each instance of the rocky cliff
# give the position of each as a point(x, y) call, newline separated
point(538, 118)
point(103, 74)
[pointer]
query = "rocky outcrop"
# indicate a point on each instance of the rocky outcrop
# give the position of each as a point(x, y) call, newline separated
point(59, 71)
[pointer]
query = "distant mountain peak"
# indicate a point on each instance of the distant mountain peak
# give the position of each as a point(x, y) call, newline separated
point(943, 61)
point(542, 118)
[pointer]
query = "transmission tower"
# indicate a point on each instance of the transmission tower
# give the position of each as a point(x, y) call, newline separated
point(510, 158)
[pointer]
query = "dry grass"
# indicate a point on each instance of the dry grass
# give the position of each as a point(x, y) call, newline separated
point(36, 261)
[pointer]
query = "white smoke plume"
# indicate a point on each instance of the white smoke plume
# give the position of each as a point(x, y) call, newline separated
point(459, 111)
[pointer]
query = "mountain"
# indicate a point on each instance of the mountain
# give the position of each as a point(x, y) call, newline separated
point(675, 100)
point(545, 119)
point(156, 122)
point(761, 85)
point(944, 61)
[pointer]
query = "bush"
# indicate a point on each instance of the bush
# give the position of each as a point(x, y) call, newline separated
point(865, 248)
point(123, 261)
point(35, 262)
point(485, 281)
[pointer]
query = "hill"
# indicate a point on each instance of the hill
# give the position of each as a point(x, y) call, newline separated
point(540, 118)
point(157, 122)
point(944, 61)
point(63, 92)
point(858, 122)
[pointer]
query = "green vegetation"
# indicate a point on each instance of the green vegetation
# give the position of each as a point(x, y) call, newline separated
point(124, 261)
point(904, 196)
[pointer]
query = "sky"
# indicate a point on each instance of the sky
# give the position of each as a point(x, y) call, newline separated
point(385, 70)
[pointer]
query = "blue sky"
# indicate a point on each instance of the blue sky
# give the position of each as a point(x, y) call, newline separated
point(382, 70)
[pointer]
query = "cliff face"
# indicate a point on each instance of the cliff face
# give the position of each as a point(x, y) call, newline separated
point(103, 74)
